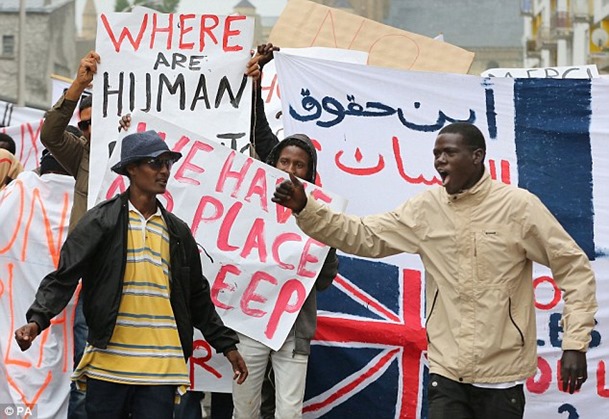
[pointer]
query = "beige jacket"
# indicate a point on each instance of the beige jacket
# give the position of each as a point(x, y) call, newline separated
point(70, 151)
point(477, 248)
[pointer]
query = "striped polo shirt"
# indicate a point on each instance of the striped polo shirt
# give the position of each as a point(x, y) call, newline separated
point(145, 347)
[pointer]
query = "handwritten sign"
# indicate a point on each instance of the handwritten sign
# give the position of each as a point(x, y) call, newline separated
point(375, 129)
point(306, 24)
point(34, 212)
point(188, 68)
point(259, 264)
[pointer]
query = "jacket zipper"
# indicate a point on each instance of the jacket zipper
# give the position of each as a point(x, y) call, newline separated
point(514, 323)
point(433, 305)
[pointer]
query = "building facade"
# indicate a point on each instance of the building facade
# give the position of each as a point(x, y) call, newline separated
point(490, 29)
point(49, 48)
point(566, 33)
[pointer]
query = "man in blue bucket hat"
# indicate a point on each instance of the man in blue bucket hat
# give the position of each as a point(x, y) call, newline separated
point(143, 291)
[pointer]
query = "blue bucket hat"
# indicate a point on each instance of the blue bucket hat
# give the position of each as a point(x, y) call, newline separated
point(140, 146)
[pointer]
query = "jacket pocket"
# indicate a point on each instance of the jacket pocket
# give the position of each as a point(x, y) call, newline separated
point(496, 252)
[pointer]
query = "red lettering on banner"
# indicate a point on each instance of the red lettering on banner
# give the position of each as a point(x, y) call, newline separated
point(30, 403)
point(359, 171)
point(168, 30)
point(11, 307)
point(125, 37)
point(258, 187)
point(541, 384)
point(402, 171)
point(557, 294)
point(184, 29)
point(282, 238)
point(306, 257)
point(226, 226)
point(319, 195)
point(117, 186)
point(188, 165)
point(288, 290)
point(201, 361)
point(226, 173)
point(229, 33)
point(28, 129)
point(54, 246)
point(273, 87)
point(220, 285)
point(601, 383)
point(505, 171)
point(125, 33)
point(19, 187)
point(208, 30)
point(200, 211)
point(255, 239)
point(250, 295)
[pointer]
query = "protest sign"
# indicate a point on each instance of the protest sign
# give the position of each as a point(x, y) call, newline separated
point(259, 264)
point(188, 68)
point(376, 128)
point(306, 24)
point(34, 212)
point(564, 72)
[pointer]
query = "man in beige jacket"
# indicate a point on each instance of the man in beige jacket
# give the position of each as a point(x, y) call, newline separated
point(478, 239)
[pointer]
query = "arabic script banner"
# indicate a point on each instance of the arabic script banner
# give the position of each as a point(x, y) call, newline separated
point(375, 129)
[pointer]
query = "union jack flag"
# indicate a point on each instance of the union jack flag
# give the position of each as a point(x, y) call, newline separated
point(367, 357)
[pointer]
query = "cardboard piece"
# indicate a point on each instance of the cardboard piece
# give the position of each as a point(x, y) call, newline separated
point(305, 24)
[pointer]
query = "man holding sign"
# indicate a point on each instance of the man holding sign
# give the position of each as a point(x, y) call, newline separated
point(143, 290)
point(478, 239)
point(295, 155)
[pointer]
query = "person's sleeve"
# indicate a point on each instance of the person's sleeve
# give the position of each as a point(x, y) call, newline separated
point(66, 147)
point(546, 242)
point(262, 136)
point(57, 288)
point(328, 272)
point(203, 312)
point(373, 236)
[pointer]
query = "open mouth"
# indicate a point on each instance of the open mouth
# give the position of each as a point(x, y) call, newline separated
point(444, 176)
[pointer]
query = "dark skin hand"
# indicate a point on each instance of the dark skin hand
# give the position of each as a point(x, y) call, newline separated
point(25, 335)
point(573, 370)
point(264, 54)
point(239, 368)
point(290, 194)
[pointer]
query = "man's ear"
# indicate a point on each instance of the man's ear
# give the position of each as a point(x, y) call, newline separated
point(479, 155)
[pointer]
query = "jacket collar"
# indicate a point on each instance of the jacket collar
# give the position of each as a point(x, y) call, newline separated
point(475, 194)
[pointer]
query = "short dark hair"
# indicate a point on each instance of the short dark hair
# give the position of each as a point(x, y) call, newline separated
point(11, 147)
point(86, 101)
point(471, 134)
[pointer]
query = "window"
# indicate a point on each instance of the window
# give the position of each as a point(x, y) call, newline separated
point(8, 45)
